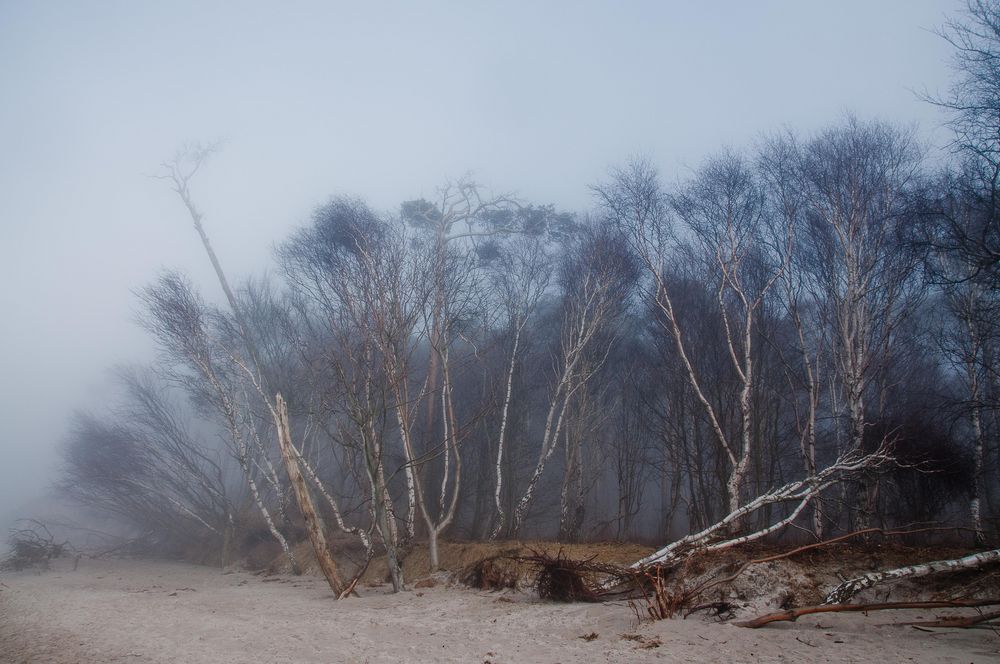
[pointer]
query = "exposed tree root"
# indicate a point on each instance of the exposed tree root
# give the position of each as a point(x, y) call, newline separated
point(490, 574)
point(562, 579)
point(32, 546)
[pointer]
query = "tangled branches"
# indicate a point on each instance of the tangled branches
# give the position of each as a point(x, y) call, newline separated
point(32, 546)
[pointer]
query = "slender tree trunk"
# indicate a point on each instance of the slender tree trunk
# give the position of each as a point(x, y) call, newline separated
point(383, 518)
point(972, 375)
point(498, 493)
point(571, 496)
point(228, 533)
point(550, 441)
point(271, 527)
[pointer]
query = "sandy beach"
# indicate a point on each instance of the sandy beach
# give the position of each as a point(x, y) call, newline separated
point(141, 611)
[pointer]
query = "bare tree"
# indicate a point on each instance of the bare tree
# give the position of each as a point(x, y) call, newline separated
point(354, 269)
point(178, 319)
point(778, 159)
point(627, 443)
point(597, 277)
point(723, 209)
point(964, 236)
point(147, 467)
point(196, 466)
point(854, 181)
point(520, 276)
point(180, 171)
point(448, 232)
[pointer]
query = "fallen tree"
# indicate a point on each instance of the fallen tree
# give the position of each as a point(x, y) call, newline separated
point(655, 578)
point(848, 589)
point(649, 577)
point(799, 493)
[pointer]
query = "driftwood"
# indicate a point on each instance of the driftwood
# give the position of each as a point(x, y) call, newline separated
point(957, 621)
point(794, 614)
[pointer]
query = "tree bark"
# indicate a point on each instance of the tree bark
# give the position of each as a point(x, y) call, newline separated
point(848, 589)
point(836, 608)
point(314, 524)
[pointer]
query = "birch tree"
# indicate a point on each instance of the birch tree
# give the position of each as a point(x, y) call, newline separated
point(519, 276)
point(855, 180)
point(796, 495)
point(597, 277)
point(180, 172)
point(964, 237)
point(778, 159)
point(352, 268)
point(178, 320)
point(723, 209)
point(448, 231)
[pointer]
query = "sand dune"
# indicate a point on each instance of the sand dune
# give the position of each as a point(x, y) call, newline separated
point(140, 611)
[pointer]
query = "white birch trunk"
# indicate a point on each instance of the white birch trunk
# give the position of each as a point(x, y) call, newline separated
point(848, 589)
point(801, 492)
point(497, 494)
point(550, 440)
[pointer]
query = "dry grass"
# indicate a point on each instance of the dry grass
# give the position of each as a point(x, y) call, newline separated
point(456, 557)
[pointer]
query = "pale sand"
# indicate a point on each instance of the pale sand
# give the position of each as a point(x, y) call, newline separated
point(130, 611)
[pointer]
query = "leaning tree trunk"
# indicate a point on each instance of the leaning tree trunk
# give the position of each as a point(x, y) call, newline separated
point(271, 527)
point(798, 495)
point(314, 524)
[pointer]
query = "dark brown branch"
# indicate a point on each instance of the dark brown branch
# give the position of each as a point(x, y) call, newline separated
point(794, 614)
point(957, 621)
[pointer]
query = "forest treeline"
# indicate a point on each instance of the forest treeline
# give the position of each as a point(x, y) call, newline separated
point(478, 366)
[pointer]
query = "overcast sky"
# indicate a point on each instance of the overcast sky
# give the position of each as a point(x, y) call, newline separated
point(380, 99)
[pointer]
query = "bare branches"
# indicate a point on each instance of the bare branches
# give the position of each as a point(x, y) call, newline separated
point(798, 494)
point(32, 545)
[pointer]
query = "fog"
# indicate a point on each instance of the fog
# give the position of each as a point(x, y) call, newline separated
point(383, 100)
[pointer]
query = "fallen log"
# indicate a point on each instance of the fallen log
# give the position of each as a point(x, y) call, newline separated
point(799, 494)
point(794, 614)
point(690, 595)
point(848, 589)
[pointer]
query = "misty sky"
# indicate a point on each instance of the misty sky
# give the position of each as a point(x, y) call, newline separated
point(384, 100)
